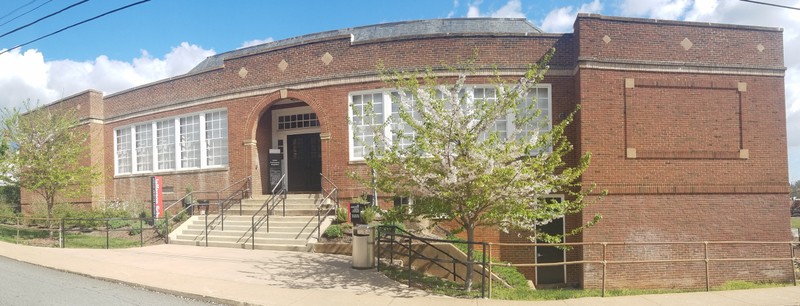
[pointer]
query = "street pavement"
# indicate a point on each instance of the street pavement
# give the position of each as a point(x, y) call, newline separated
point(246, 277)
point(30, 285)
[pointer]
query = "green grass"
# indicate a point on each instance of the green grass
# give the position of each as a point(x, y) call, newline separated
point(73, 240)
point(83, 241)
point(795, 222)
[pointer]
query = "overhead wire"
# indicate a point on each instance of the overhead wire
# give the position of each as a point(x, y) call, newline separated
point(772, 4)
point(17, 9)
point(45, 17)
point(74, 25)
point(26, 13)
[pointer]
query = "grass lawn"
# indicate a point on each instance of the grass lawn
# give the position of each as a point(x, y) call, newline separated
point(795, 222)
point(41, 237)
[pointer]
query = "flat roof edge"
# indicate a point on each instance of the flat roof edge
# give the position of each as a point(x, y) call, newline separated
point(677, 22)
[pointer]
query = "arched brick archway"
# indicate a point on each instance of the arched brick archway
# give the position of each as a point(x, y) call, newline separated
point(290, 122)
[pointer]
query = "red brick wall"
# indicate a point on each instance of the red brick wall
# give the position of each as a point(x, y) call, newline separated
point(710, 159)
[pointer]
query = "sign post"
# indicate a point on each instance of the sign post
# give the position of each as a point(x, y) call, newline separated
point(156, 196)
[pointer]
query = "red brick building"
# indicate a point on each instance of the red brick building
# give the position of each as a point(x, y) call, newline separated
point(685, 122)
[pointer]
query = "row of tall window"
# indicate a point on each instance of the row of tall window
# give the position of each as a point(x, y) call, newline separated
point(181, 143)
point(372, 108)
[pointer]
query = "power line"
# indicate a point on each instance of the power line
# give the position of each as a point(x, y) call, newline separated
point(45, 17)
point(26, 13)
point(74, 25)
point(17, 9)
point(772, 4)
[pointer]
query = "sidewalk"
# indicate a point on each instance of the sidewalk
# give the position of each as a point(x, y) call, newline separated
point(245, 277)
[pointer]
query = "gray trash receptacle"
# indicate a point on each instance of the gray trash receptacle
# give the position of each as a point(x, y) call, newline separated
point(363, 240)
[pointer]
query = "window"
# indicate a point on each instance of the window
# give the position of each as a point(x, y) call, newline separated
point(196, 141)
point(190, 142)
point(165, 144)
point(217, 138)
point(144, 147)
point(400, 128)
point(297, 121)
point(362, 127)
point(123, 150)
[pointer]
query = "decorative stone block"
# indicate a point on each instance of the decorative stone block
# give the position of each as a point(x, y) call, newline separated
point(282, 65)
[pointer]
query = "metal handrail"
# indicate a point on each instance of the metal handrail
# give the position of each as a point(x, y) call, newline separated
point(248, 187)
point(334, 193)
point(281, 194)
point(427, 241)
point(605, 261)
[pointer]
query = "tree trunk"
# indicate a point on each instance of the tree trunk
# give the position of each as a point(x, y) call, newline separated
point(470, 257)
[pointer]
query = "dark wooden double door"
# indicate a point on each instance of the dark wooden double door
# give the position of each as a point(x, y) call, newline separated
point(304, 162)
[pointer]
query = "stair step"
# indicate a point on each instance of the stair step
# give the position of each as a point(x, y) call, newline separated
point(270, 240)
point(274, 232)
point(288, 232)
point(272, 247)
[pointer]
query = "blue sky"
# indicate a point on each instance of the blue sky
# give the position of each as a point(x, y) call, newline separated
point(164, 38)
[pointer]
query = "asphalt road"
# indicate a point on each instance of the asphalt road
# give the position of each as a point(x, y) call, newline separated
point(26, 284)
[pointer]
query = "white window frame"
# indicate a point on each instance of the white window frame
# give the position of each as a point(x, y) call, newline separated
point(386, 108)
point(177, 150)
point(387, 112)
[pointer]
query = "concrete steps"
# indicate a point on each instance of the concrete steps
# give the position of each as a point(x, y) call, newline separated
point(291, 232)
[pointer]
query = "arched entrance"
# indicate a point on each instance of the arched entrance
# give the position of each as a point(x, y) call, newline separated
point(291, 128)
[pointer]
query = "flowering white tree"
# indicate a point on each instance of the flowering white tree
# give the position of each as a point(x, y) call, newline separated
point(46, 150)
point(446, 149)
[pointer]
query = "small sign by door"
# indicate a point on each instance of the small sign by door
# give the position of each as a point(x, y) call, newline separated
point(275, 167)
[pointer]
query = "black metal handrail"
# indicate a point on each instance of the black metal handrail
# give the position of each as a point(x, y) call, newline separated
point(245, 190)
point(270, 204)
point(392, 232)
point(326, 196)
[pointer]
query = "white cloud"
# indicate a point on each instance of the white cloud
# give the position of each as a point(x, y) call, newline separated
point(256, 42)
point(660, 9)
point(26, 75)
point(473, 9)
point(560, 20)
point(512, 9)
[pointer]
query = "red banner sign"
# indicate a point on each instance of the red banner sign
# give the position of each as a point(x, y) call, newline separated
point(156, 196)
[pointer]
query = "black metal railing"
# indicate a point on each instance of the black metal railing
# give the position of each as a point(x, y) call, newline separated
point(329, 195)
point(237, 195)
point(278, 196)
point(403, 241)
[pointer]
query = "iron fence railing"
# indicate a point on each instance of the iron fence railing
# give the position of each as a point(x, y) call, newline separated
point(59, 230)
point(397, 241)
point(791, 258)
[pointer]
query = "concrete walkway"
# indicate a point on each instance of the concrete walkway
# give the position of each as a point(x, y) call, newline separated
point(245, 277)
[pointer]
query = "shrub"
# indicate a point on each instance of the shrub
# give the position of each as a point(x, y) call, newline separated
point(160, 226)
point(136, 229)
point(334, 231)
point(7, 213)
point(368, 214)
point(341, 215)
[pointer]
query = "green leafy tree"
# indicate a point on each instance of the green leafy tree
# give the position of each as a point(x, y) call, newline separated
point(45, 150)
point(448, 154)
point(795, 190)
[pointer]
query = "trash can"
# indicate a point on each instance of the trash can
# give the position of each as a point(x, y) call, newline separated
point(363, 240)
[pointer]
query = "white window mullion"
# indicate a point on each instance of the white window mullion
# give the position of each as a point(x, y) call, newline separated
point(116, 153)
point(134, 164)
point(387, 114)
point(203, 145)
point(154, 143)
point(177, 135)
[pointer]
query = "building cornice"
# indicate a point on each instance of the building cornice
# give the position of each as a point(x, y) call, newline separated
point(676, 67)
